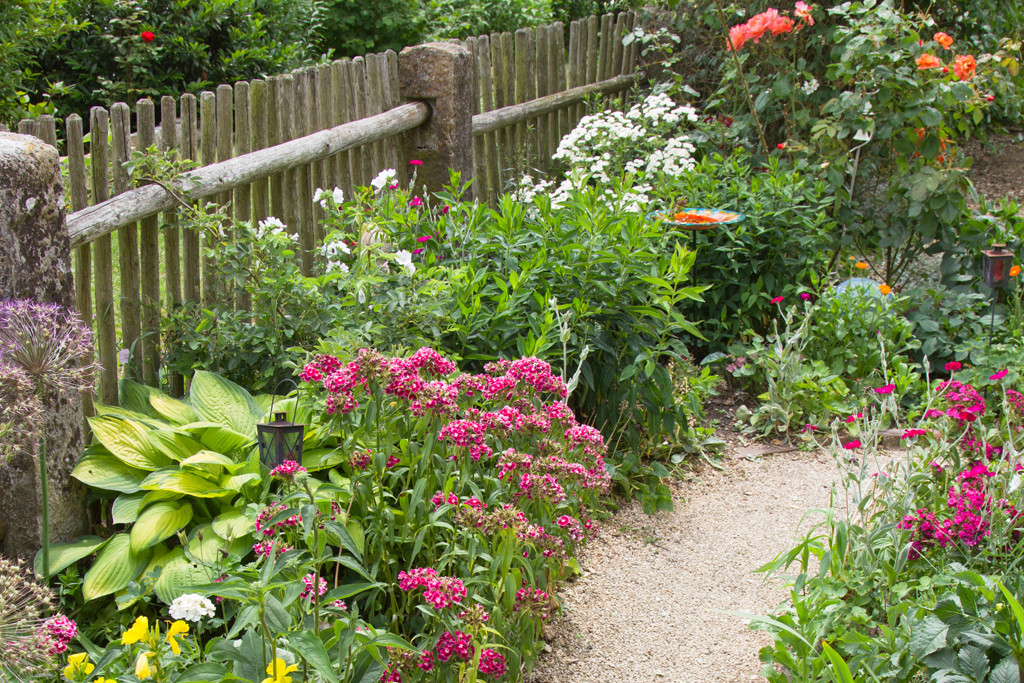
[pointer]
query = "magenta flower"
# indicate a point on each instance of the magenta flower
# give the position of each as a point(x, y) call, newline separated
point(424, 238)
point(852, 445)
point(445, 210)
point(415, 162)
point(999, 375)
point(491, 663)
point(287, 471)
point(777, 300)
point(416, 201)
point(418, 251)
point(887, 389)
point(911, 433)
point(953, 365)
point(805, 296)
point(853, 418)
point(308, 581)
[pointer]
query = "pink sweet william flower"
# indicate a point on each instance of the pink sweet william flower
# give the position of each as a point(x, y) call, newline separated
point(287, 471)
point(887, 389)
point(953, 365)
point(308, 581)
point(999, 375)
point(776, 300)
point(933, 412)
point(565, 520)
point(492, 663)
point(852, 445)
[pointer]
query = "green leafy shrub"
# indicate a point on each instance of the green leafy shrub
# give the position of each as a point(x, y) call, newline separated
point(123, 50)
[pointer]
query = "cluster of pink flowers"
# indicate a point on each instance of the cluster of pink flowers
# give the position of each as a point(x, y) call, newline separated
point(536, 602)
point(964, 402)
point(491, 663)
point(56, 633)
point(440, 498)
point(439, 591)
point(287, 470)
point(406, 660)
point(308, 581)
point(769, 21)
point(969, 507)
point(572, 526)
point(456, 644)
point(270, 530)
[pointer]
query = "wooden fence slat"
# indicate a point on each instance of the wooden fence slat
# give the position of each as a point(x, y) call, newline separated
point(191, 258)
point(260, 193)
point(479, 161)
point(340, 108)
point(316, 169)
point(392, 98)
point(83, 254)
point(543, 49)
point(208, 155)
point(592, 44)
point(225, 134)
point(286, 131)
point(492, 180)
point(171, 232)
point(373, 101)
point(634, 48)
point(551, 66)
point(604, 49)
point(615, 67)
point(106, 325)
point(275, 102)
point(79, 200)
point(47, 130)
point(508, 142)
point(329, 166)
point(497, 59)
point(561, 115)
point(526, 88)
point(127, 244)
point(576, 31)
point(363, 153)
point(149, 260)
point(242, 193)
point(304, 199)
point(28, 127)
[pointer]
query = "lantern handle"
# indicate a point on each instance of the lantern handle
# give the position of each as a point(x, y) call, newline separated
point(273, 395)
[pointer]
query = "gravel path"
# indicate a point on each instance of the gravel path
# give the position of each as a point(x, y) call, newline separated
point(648, 606)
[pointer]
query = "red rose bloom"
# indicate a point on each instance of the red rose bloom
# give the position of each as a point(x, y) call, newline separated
point(148, 36)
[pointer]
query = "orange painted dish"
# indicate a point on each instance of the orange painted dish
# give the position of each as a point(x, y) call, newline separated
point(698, 219)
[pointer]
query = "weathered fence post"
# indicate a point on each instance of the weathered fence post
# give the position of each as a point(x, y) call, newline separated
point(35, 263)
point(440, 74)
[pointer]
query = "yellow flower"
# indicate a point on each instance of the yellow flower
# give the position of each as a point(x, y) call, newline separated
point(142, 665)
point(138, 631)
point(178, 628)
point(884, 289)
point(277, 670)
point(78, 666)
point(860, 265)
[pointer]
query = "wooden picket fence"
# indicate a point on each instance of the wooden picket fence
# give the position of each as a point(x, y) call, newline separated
point(530, 91)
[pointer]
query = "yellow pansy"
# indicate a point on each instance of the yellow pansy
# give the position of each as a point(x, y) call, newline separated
point(138, 631)
point(78, 667)
point(142, 665)
point(277, 670)
point(178, 628)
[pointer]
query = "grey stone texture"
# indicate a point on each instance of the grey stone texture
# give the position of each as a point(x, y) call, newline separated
point(35, 263)
point(440, 74)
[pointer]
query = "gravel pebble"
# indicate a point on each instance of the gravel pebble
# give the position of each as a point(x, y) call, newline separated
point(650, 604)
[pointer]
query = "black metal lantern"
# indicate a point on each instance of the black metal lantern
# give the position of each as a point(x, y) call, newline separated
point(995, 266)
point(281, 439)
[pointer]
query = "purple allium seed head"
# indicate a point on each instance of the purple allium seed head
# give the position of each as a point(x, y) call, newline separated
point(49, 343)
point(24, 644)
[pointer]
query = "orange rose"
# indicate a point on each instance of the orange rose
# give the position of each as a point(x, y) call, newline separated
point(1015, 271)
point(964, 67)
point(928, 61)
point(944, 40)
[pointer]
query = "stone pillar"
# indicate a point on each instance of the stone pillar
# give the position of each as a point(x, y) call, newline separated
point(35, 263)
point(440, 74)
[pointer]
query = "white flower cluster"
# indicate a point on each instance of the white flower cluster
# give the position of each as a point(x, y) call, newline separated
point(634, 200)
point(404, 259)
point(322, 196)
point(191, 607)
point(602, 146)
point(272, 227)
point(810, 86)
point(384, 179)
point(332, 253)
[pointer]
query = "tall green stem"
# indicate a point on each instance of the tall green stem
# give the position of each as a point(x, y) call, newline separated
point(45, 489)
point(743, 77)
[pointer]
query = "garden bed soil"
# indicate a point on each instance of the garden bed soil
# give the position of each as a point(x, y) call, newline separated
point(997, 166)
point(652, 602)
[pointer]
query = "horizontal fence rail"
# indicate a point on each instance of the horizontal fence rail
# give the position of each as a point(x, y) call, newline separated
point(264, 145)
point(101, 219)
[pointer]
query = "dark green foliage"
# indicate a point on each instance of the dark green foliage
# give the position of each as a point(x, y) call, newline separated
point(352, 27)
point(197, 44)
